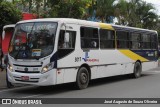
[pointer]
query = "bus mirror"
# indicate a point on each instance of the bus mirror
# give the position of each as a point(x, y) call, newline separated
point(66, 37)
point(3, 35)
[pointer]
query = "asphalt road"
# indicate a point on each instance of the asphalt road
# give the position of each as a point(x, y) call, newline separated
point(148, 86)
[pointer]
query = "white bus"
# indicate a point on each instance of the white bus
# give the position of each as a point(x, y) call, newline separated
point(59, 50)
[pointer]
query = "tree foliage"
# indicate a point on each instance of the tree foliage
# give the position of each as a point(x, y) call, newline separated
point(105, 9)
point(68, 8)
point(9, 14)
point(136, 13)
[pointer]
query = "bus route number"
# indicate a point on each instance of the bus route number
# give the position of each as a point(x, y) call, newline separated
point(77, 59)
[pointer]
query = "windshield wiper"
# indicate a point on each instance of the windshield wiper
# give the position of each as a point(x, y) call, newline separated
point(18, 52)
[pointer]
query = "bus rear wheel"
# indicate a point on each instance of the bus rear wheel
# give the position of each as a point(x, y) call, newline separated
point(137, 70)
point(82, 79)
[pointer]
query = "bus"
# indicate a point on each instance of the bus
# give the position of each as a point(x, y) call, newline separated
point(54, 51)
point(6, 37)
point(4, 42)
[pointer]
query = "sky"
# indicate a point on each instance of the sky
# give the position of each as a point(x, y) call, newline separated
point(155, 3)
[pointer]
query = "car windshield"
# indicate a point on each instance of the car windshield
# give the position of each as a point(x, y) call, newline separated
point(33, 40)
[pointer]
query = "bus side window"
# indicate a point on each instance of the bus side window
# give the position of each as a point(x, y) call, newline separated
point(123, 39)
point(70, 44)
point(89, 38)
point(146, 39)
point(65, 48)
point(154, 41)
point(107, 39)
point(136, 41)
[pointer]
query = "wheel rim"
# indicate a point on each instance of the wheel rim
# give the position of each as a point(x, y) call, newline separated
point(83, 78)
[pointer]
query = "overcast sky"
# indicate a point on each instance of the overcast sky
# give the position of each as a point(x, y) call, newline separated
point(156, 3)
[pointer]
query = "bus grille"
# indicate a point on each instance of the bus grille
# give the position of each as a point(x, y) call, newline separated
point(27, 71)
point(25, 81)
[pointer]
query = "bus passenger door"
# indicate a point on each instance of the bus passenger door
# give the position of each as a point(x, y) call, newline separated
point(66, 46)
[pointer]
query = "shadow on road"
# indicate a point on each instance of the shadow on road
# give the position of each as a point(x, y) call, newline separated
point(47, 90)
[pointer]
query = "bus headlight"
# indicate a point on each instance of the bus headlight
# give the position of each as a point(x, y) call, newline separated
point(10, 67)
point(47, 67)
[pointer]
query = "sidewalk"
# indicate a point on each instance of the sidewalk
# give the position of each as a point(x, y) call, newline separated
point(3, 80)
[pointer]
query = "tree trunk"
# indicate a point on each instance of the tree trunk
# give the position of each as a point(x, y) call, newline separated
point(44, 5)
point(70, 9)
point(102, 19)
point(37, 9)
point(30, 5)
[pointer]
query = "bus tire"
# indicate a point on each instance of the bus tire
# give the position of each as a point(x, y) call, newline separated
point(137, 70)
point(82, 79)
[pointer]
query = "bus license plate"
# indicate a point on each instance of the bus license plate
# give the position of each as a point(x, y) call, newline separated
point(26, 78)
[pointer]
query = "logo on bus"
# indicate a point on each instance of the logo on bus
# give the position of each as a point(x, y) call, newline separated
point(87, 59)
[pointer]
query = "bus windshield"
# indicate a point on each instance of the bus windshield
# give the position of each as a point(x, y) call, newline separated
point(33, 40)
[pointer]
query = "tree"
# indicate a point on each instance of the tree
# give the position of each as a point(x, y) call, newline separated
point(146, 15)
point(90, 10)
point(122, 12)
point(9, 14)
point(1, 1)
point(105, 9)
point(30, 5)
point(54, 8)
point(68, 8)
point(38, 4)
point(136, 13)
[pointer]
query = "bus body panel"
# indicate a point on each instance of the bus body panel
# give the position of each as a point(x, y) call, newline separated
point(149, 65)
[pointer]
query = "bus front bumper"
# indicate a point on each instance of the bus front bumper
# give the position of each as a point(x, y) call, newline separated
point(45, 79)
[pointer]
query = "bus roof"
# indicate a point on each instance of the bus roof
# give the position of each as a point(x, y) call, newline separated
point(90, 23)
point(133, 29)
point(63, 20)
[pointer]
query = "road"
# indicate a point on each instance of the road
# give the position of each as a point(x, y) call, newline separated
point(148, 86)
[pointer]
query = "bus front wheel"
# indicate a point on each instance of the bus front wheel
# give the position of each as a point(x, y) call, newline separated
point(82, 79)
point(9, 84)
point(137, 70)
